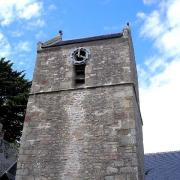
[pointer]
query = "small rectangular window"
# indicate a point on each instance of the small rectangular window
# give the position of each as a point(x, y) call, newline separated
point(79, 74)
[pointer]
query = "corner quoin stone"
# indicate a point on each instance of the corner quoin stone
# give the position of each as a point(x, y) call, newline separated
point(91, 130)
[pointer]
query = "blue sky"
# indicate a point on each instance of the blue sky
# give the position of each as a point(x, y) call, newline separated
point(76, 18)
point(155, 26)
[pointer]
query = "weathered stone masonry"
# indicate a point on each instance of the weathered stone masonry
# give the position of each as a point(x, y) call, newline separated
point(87, 131)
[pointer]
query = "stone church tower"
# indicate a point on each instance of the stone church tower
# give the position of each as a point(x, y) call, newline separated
point(83, 120)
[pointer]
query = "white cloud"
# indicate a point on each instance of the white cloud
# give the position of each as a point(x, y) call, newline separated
point(155, 64)
point(16, 33)
point(159, 78)
point(5, 48)
point(23, 46)
point(32, 9)
point(152, 24)
point(35, 23)
point(149, 1)
point(173, 13)
point(11, 10)
point(170, 41)
point(160, 104)
point(163, 26)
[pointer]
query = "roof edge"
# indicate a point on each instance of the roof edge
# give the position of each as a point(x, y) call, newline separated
point(161, 153)
point(57, 40)
point(82, 40)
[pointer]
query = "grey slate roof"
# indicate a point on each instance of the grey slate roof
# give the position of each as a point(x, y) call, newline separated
point(162, 166)
point(10, 173)
point(95, 38)
point(8, 156)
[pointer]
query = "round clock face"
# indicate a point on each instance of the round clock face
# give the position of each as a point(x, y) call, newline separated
point(80, 56)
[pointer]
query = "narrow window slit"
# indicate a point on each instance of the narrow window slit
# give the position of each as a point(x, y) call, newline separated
point(79, 74)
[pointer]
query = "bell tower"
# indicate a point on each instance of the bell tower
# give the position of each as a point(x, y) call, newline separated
point(83, 120)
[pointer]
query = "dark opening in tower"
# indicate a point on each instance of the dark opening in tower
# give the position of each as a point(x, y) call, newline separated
point(79, 71)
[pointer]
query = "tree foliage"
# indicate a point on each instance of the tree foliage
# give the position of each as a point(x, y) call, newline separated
point(14, 90)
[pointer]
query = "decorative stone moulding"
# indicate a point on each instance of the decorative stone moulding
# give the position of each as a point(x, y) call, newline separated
point(80, 56)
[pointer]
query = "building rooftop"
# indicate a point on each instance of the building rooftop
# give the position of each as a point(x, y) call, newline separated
point(59, 42)
point(162, 166)
point(8, 157)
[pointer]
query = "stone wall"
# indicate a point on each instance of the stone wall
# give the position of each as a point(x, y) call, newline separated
point(81, 134)
point(93, 131)
point(109, 63)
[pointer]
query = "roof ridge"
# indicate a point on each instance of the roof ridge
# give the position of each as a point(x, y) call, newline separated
point(160, 153)
point(81, 40)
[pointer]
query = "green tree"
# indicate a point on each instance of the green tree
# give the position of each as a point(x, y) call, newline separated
point(14, 90)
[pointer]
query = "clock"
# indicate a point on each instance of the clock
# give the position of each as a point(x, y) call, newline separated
point(80, 56)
